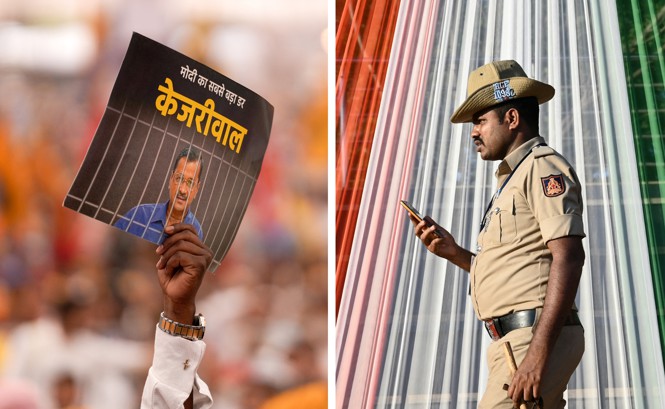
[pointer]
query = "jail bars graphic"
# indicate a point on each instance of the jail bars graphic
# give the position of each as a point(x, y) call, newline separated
point(407, 336)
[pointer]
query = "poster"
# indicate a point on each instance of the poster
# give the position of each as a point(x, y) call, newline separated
point(178, 141)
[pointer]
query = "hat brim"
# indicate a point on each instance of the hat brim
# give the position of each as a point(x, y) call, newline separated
point(485, 98)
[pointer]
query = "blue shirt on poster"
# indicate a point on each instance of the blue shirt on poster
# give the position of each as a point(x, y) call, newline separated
point(148, 221)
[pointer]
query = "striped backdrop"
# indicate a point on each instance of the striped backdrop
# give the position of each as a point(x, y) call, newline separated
point(407, 336)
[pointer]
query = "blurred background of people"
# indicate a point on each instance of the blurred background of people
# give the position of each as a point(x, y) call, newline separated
point(79, 300)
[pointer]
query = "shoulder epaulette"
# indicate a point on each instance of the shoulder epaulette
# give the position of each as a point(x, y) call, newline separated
point(541, 151)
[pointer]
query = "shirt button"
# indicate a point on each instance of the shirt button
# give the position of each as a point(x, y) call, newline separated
point(479, 248)
point(497, 210)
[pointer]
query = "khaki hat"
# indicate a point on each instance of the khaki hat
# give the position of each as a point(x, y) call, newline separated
point(495, 83)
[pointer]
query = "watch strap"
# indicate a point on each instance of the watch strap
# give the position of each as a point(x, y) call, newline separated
point(190, 332)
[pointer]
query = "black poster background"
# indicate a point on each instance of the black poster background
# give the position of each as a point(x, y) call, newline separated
point(130, 159)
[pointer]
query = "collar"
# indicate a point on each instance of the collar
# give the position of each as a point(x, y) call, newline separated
point(515, 157)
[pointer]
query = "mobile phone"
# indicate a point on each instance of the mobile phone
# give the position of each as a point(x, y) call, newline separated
point(411, 210)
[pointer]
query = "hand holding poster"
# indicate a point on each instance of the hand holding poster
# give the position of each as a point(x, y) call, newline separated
point(178, 142)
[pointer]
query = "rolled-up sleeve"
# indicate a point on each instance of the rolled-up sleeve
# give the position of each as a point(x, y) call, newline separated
point(562, 226)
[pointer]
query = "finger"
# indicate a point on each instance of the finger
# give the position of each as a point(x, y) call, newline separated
point(517, 400)
point(419, 230)
point(183, 244)
point(527, 396)
point(175, 228)
point(183, 241)
point(187, 248)
point(164, 276)
point(419, 226)
point(183, 253)
point(430, 222)
point(439, 231)
point(430, 233)
point(179, 227)
point(180, 231)
point(182, 261)
point(513, 394)
point(519, 393)
point(171, 268)
point(179, 260)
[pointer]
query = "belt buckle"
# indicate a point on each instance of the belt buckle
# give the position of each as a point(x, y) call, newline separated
point(492, 330)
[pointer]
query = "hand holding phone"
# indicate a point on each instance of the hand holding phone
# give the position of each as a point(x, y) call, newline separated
point(412, 211)
point(438, 240)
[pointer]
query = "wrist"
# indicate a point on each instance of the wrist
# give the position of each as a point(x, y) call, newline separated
point(182, 313)
point(461, 257)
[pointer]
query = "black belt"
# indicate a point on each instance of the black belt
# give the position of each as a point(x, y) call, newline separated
point(499, 327)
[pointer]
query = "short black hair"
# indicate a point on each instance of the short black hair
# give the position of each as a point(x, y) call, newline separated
point(190, 154)
point(527, 107)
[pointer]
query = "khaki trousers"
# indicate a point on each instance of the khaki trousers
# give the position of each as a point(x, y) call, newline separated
point(566, 355)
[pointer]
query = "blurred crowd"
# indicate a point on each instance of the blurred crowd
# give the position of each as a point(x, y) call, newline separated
point(79, 300)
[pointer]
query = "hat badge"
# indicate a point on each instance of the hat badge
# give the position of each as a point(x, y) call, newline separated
point(503, 91)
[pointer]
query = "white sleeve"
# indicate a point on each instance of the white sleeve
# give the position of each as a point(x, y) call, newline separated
point(173, 374)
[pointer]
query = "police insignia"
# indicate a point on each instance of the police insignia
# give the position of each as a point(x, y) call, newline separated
point(503, 91)
point(553, 185)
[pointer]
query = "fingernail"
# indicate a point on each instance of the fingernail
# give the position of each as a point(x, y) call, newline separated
point(159, 249)
point(169, 229)
point(159, 262)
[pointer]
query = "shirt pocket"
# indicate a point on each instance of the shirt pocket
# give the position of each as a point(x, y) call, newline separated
point(501, 224)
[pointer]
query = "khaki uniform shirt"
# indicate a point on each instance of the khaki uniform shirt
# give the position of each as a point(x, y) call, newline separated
point(541, 201)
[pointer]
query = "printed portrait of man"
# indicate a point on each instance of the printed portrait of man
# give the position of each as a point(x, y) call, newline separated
point(149, 220)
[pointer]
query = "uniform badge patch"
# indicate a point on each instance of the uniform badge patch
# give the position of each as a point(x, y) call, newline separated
point(553, 185)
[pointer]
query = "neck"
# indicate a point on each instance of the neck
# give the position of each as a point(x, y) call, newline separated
point(520, 139)
point(174, 215)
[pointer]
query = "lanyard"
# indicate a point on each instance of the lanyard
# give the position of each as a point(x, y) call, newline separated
point(485, 218)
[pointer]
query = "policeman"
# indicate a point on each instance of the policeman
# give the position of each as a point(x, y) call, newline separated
point(527, 265)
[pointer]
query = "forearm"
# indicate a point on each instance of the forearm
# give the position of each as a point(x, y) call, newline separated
point(183, 260)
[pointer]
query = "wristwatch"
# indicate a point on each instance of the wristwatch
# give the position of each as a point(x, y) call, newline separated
point(190, 332)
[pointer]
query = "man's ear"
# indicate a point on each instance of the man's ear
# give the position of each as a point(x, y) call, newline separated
point(512, 117)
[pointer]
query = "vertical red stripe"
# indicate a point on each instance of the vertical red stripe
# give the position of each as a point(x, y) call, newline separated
point(365, 31)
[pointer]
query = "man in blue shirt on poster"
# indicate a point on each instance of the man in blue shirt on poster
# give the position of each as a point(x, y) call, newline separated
point(149, 220)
